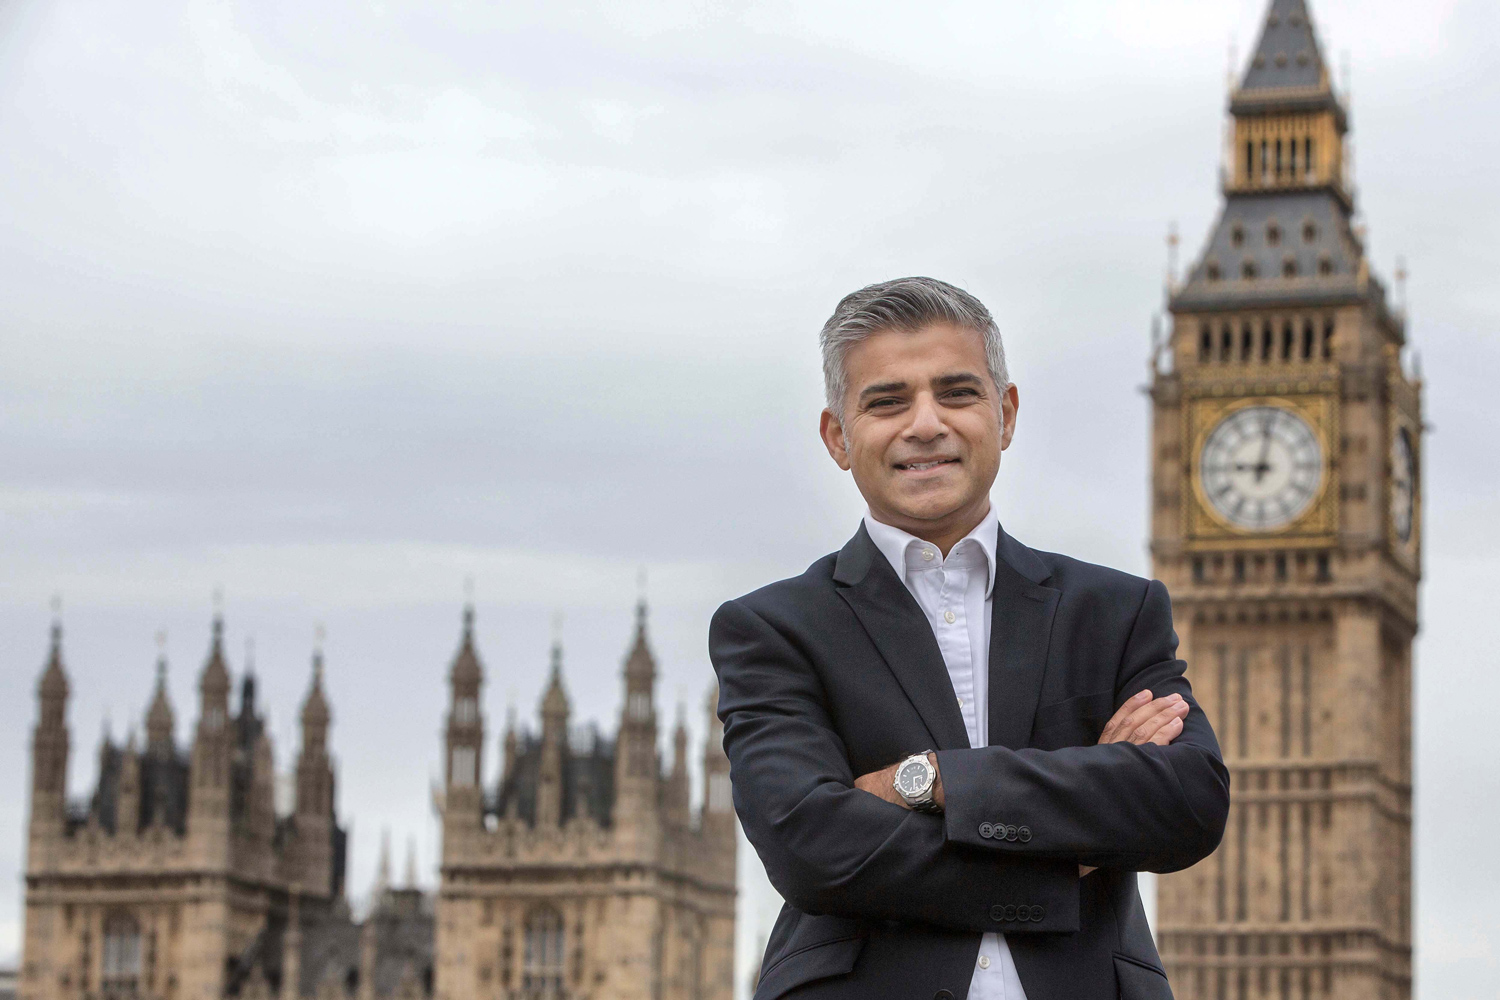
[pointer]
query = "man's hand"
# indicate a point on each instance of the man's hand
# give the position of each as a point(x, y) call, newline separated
point(1143, 720)
point(882, 784)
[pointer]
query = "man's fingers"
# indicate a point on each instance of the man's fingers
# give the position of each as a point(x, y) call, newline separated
point(1133, 721)
point(1167, 733)
point(1117, 721)
point(1169, 712)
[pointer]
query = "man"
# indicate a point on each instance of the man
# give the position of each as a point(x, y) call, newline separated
point(952, 752)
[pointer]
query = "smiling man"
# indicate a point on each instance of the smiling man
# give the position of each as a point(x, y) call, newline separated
point(953, 752)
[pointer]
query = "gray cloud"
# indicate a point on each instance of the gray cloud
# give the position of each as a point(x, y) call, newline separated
point(337, 304)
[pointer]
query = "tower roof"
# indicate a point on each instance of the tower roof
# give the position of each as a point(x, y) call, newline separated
point(160, 720)
point(215, 671)
point(639, 663)
point(466, 666)
point(315, 709)
point(54, 682)
point(555, 701)
point(1287, 56)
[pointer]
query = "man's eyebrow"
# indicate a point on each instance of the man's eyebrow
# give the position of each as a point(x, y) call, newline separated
point(957, 378)
point(879, 387)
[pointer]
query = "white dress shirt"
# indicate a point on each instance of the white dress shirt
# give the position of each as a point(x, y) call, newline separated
point(956, 595)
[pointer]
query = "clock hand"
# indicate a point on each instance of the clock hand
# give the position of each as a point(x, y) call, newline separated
point(1261, 468)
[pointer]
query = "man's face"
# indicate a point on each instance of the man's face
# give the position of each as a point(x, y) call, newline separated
point(922, 428)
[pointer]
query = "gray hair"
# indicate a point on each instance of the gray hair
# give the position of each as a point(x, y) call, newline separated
point(907, 305)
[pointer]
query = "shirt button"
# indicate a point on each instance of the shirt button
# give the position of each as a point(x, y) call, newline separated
point(984, 961)
point(949, 617)
point(928, 554)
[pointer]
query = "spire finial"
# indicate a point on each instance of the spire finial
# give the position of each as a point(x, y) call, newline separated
point(319, 634)
point(161, 657)
point(1401, 275)
point(640, 600)
point(1173, 240)
point(218, 603)
point(56, 605)
point(249, 654)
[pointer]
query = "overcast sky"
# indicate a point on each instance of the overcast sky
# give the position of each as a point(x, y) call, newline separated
point(336, 304)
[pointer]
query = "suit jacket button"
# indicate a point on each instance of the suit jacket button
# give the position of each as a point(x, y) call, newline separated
point(997, 912)
point(986, 830)
point(1010, 913)
point(1012, 832)
point(942, 995)
point(1023, 913)
point(1037, 913)
point(1024, 835)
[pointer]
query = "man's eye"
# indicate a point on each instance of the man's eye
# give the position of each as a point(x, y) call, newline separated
point(877, 404)
point(962, 392)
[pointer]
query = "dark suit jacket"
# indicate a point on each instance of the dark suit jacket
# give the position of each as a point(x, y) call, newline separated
point(836, 673)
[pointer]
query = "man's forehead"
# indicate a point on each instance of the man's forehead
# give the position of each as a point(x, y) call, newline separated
point(917, 356)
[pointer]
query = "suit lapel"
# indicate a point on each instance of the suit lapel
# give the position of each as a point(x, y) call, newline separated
point(901, 633)
point(1020, 636)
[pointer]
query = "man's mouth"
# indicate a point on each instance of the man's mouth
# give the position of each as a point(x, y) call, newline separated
point(923, 466)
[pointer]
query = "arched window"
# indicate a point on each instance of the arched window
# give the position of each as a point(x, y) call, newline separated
point(120, 972)
point(1247, 341)
point(1205, 343)
point(542, 970)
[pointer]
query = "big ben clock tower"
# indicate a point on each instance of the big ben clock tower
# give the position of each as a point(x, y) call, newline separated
point(1286, 455)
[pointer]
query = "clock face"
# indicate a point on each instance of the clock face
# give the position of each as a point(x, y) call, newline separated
point(912, 778)
point(1403, 483)
point(1261, 467)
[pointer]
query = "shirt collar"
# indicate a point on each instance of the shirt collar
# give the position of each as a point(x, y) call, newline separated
point(893, 543)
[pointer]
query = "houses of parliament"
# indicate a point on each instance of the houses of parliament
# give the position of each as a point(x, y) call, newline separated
point(581, 871)
point(1285, 520)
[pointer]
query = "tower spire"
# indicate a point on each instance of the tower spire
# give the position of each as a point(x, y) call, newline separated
point(161, 722)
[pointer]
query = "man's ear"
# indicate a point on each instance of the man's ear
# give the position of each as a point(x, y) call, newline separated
point(832, 432)
point(1010, 402)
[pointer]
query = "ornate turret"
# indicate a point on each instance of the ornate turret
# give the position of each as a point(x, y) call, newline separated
point(464, 741)
point(161, 722)
point(637, 758)
point(209, 798)
point(550, 778)
point(49, 743)
point(678, 789)
point(128, 797)
point(718, 803)
point(315, 819)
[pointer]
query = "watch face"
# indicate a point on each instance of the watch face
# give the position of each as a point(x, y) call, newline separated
point(1261, 467)
point(912, 778)
point(1403, 483)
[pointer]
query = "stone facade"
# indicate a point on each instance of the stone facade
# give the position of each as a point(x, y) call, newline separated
point(177, 879)
point(1293, 556)
point(581, 870)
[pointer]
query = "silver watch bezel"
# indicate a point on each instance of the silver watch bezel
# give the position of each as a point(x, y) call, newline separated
point(923, 798)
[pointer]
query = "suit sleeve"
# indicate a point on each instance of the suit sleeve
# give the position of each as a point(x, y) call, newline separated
point(1138, 808)
point(830, 848)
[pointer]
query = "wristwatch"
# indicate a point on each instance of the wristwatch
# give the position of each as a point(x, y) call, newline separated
point(914, 781)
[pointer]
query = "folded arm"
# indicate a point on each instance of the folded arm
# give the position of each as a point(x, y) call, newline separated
point(1118, 805)
point(830, 848)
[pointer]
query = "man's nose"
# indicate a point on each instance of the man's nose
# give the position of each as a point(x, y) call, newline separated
point(926, 419)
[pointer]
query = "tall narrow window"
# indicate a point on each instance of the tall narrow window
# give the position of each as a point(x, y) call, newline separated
point(1265, 161)
point(542, 970)
point(1278, 159)
point(121, 969)
point(1328, 339)
point(463, 775)
point(1205, 344)
point(1307, 148)
point(1292, 162)
point(1247, 342)
point(1250, 161)
point(1226, 343)
point(1288, 335)
point(1267, 341)
point(1307, 340)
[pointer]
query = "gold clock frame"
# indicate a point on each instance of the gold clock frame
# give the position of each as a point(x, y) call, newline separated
point(1204, 527)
